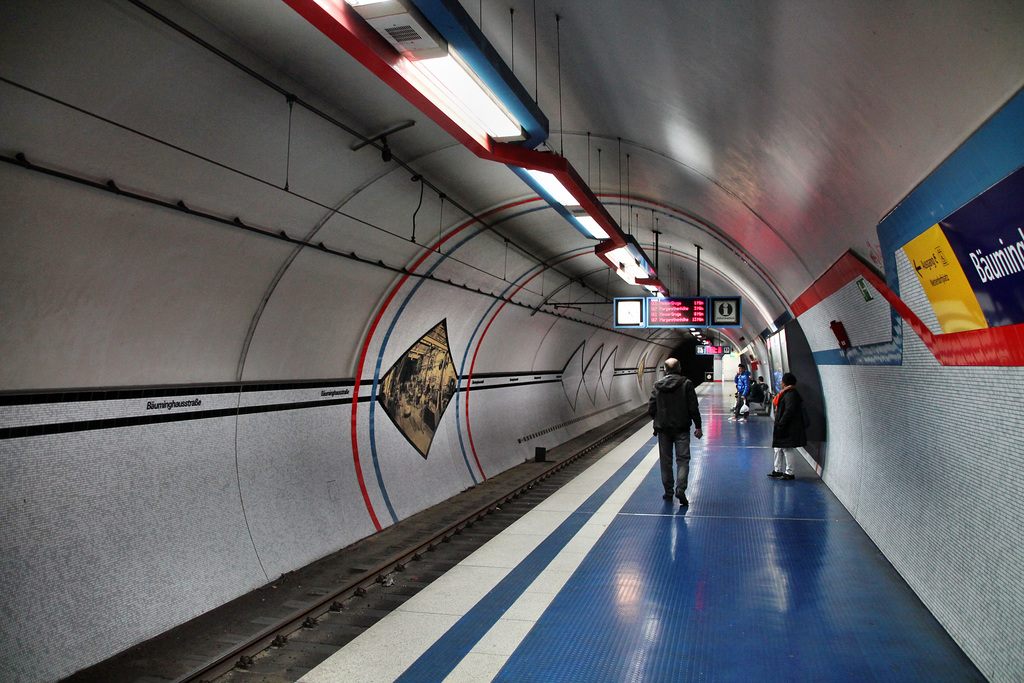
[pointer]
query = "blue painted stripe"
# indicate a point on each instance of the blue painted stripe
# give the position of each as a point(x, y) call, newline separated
point(459, 29)
point(469, 343)
point(380, 360)
point(445, 654)
point(993, 152)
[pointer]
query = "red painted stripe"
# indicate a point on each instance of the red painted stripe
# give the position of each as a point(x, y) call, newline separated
point(693, 218)
point(350, 32)
point(369, 337)
point(472, 364)
point(993, 346)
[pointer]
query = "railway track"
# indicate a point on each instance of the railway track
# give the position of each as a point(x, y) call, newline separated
point(290, 626)
point(288, 650)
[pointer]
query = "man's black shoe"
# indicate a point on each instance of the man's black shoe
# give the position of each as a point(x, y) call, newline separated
point(776, 475)
point(683, 502)
point(787, 477)
point(668, 495)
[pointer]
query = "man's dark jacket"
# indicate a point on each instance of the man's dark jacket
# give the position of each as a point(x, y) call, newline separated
point(789, 431)
point(673, 405)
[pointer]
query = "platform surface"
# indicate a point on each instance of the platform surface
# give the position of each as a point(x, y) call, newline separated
point(756, 580)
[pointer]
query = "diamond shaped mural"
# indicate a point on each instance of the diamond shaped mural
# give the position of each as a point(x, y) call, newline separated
point(608, 373)
point(572, 376)
point(640, 369)
point(416, 390)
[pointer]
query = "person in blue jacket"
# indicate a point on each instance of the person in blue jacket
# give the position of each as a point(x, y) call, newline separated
point(742, 380)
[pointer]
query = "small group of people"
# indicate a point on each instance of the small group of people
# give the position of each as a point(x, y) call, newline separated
point(674, 407)
point(746, 391)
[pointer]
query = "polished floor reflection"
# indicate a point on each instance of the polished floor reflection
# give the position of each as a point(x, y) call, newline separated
point(757, 580)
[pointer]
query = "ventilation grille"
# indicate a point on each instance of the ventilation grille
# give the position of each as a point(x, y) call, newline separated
point(403, 34)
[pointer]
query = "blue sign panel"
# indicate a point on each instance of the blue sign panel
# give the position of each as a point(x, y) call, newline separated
point(987, 235)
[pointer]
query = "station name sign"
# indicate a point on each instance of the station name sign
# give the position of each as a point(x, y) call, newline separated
point(680, 312)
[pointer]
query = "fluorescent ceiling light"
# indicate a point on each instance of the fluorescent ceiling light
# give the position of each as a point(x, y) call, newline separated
point(455, 81)
point(553, 186)
point(438, 71)
point(625, 276)
point(637, 271)
point(625, 260)
point(620, 256)
point(592, 228)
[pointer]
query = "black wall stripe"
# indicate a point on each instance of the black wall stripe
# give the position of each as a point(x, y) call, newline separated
point(76, 395)
point(135, 421)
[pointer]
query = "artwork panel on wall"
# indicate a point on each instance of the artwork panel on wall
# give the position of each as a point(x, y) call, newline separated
point(417, 389)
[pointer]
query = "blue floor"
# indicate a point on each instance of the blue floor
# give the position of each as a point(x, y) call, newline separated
point(757, 580)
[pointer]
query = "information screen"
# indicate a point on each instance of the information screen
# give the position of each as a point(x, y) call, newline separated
point(677, 312)
point(713, 350)
point(630, 312)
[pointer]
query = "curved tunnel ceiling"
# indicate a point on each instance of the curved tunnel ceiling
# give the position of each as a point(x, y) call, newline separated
point(775, 135)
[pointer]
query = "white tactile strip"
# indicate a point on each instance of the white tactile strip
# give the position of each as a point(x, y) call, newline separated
point(385, 651)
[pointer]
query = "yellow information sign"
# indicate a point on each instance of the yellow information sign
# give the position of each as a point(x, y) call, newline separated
point(944, 282)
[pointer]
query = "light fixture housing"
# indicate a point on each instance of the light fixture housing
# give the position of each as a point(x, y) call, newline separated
point(403, 26)
point(451, 79)
point(563, 200)
point(405, 31)
point(396, 38)
point(630, 263)
point(438, 71)
point(590, 226)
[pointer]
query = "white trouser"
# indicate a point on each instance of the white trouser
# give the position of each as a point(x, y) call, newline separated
point(783, 460)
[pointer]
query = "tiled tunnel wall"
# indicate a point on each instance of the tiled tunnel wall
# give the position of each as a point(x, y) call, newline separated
point(927, 459)
point(118, 533)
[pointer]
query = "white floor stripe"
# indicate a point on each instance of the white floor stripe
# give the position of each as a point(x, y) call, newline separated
point(383, 652)
point(513, 626)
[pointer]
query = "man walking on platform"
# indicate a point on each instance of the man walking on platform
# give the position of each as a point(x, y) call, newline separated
point(673, 405)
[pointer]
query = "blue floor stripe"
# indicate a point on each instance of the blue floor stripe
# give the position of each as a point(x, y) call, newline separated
point(445, 654)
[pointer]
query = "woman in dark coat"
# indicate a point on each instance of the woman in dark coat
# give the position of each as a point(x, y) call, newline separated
point(789, 432)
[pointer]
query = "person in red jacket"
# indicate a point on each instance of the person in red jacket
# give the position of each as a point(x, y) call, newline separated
point(673, 405)
point(789, 431)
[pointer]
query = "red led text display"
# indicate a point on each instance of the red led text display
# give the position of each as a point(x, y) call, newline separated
point(677, 312)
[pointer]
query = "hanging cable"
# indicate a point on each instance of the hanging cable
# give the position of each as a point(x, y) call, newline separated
point(536, 64)
point(504, 275)
point(657, 235)
point(589, 179)
point(440, 222)
point(290, 99)
point(558, 49)
point(416, 178)
point(140, 4)
point(512, 32)
point(619, 169)
point(629, 201)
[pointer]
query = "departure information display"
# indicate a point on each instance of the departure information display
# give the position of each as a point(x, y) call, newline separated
point(661, 312)
point(713, 350)
point(677, 312)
